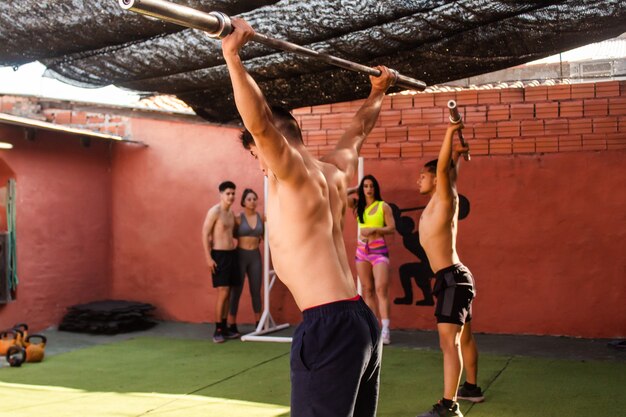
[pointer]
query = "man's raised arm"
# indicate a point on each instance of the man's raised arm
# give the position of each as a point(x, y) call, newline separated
point(444, 171)
point(346, 152)
point(252, 106)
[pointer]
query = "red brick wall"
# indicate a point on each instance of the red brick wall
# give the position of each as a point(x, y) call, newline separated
point(542, 119)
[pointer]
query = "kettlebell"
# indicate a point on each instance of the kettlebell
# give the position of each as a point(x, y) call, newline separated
point(8, 338)
point(16, 355)
point(22, 329)
point(35, 351)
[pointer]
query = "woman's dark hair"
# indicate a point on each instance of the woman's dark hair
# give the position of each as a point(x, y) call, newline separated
point(245, 194)
point(360, 204)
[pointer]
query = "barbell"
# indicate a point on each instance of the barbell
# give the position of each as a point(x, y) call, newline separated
point(218, 25)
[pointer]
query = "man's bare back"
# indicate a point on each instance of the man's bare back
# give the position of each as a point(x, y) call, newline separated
point(305, 254)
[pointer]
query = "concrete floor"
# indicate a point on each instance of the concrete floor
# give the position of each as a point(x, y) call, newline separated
point(507, 345)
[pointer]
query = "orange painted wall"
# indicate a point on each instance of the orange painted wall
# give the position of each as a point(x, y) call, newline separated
point(161, 196)
point(545, 184)
point(63, 225)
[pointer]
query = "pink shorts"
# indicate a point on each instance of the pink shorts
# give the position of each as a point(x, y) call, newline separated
point(374, 252)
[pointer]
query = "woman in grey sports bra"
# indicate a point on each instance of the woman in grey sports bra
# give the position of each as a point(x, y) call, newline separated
point(249, 234)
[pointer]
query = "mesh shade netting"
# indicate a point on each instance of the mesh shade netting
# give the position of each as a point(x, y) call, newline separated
point(97, 43)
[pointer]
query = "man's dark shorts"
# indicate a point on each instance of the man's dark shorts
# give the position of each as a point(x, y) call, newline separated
point(454, 289)
point(335, 361)
point(227, 268)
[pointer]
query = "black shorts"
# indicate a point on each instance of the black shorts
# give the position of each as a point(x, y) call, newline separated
point(454, 289)
point(227, 268)
point(335, 361)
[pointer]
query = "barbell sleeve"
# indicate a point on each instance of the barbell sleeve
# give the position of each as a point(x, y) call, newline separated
point(455, 117)
point(218, 25)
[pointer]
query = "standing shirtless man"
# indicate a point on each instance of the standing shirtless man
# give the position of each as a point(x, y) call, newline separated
point(454, 284)
point(335, 354)
point(221, 254)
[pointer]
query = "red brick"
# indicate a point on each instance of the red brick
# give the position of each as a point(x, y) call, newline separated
point(532, 127)
point(522, 111)
point(121, 130)
point(437, 132)
point(587, 90)
point(433, 115)
point(79, 118)
point(311, 122)
point(431, 148)
point(346, 119)
point(331, 121)
point(390, 150)
point(418, 133)
point(333, 136)
point(343, 107)
point(526, 145)
point(411, 116)
point(556, 127)
point(115, 119)
point(559, 92)
point(485, 131)
point(401, 101)
point(569, 143)
point(6, 107)
point(596, 107)
point(605, 125)
point(476, 114)
point(396, 134)
point(547, 144)
point(500, 146)
point(622, 88)
point(607, 89)
point(512, 95)
point(441, 99)
point(533, 94)
point(324, 108)
point(498, 112)
point(508, 129)
point(301, 110)
point(467, 97)
point(616, 141)
point(479, 147)
point(390, 118)
point(424, 100)
point(411, 150)
point(490, 96)
point(580, 126)
point(621, 123)
point(317, 137)
point(617, 106)
point(369, 150)
point(546, 110)
point(377, 135)
point(94, 118)
point(594, 142)
point(571, 109)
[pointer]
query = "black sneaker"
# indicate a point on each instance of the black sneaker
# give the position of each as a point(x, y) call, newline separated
point(439, 410)
point(232, 332)
point(474, 395)
point(218, 336)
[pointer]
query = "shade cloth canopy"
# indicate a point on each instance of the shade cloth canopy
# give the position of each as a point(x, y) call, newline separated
point(96, 43)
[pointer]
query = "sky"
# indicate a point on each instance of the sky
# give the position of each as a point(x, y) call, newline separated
point(29, 80)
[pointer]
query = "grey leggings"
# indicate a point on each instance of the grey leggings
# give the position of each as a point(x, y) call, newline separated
point(249, 264)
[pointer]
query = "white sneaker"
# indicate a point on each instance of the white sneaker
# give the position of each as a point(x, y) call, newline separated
point(386, 336)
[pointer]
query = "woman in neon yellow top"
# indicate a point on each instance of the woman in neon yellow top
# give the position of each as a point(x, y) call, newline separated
point(372, 256)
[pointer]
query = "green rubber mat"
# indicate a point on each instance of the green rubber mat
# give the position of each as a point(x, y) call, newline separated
point(173, 377)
